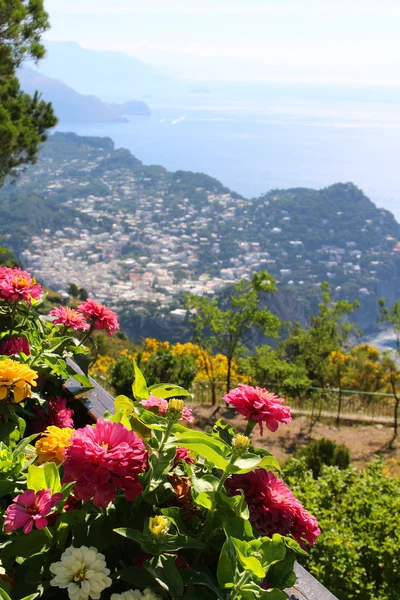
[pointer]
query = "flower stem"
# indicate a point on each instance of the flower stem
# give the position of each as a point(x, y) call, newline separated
point(250, 426)
point(48, 533)
point(88, 333)
point(237, 589)
point(13, 311)
point(166, 436)
point(209, 517)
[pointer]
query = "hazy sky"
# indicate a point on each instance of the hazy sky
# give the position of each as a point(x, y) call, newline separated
point(340, 40)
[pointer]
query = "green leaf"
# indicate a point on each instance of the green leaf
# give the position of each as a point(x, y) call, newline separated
point(164, 571)
point(248, 462)
point(249, 563)
point(205, 499)
point(83, 361)
point(197, 578)
point(4, 595)
point(281, 573)
point(136, 577)
point(227, 562)
point(139, 386)
point(237, 504)
point(123, 403)
point(23, 444)
point(150, 419)
point(158, 544)
point(26, 546)
point(206, 451)
point(166, 390)
point(123, 409)
point(31, 596)
point(174, 515)
point(160, 465)
point(195, 435)
point(44, 477)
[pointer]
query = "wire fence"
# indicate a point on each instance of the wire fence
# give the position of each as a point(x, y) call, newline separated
point(354, 403)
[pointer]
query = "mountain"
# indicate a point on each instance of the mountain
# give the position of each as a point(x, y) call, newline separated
point(140, 237)
point(72, 107)
point(133, 107)
point(110, 75)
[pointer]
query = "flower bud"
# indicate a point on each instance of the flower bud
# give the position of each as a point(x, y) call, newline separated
point(158, 525)
point(241, 441)
point(175, 408)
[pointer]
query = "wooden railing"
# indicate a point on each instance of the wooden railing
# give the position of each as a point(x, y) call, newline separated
point(98, 401)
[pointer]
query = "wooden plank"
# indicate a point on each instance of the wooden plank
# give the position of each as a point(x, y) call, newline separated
point(307, 587)
point(97, 400)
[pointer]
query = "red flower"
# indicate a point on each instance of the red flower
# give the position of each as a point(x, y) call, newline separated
point(14, 345)
point(272, 506)
point(69, 318)
point(57, 414)
point(160, 405)
point(16, 284)
point(29, 509)
point(257, 404)
point(182, 454)
point(102, 459)
point(101, 316)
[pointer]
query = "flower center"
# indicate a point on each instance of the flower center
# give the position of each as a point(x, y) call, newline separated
point(80, 575)
point(32, 510)
point(20, 281)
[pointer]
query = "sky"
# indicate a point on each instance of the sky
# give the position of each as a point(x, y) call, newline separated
point(346, 41)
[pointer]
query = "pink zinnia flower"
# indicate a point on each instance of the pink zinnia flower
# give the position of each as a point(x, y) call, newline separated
point(155, 404)
point(160, 405)
point(272, 506)
point(57, 414)
point(14, 345)
point(103, 459)
point(101, 316)
point(182, 454)
point(69, 318)
point(29, 509)
point(257, 404)
point(16, 284)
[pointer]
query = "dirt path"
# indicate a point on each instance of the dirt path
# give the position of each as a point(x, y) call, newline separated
point(364, 441)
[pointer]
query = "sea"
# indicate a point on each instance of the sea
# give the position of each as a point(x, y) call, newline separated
point(258, 137)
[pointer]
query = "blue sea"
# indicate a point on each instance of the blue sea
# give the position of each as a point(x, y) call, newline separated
point(254, 139)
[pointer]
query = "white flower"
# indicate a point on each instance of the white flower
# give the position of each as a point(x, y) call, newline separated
point(136, 595)
point(82, 571)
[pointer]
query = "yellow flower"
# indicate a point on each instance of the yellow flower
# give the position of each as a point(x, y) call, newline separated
point(241, 441)
point(17, 378)
point(158, 525)
point(175, 408)
point(51, 444)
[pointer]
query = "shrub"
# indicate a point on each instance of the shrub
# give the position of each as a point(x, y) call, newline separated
point(357, 555)
point(324, 452)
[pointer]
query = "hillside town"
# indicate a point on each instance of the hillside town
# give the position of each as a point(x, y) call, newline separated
point(143, 235)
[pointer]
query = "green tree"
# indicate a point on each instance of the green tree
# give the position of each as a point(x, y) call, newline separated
point(266, 368)
point(228, 325)
point(24, 119)
point(328, 332)
point(392, 379)
point(8, 259)
point(392, 317)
